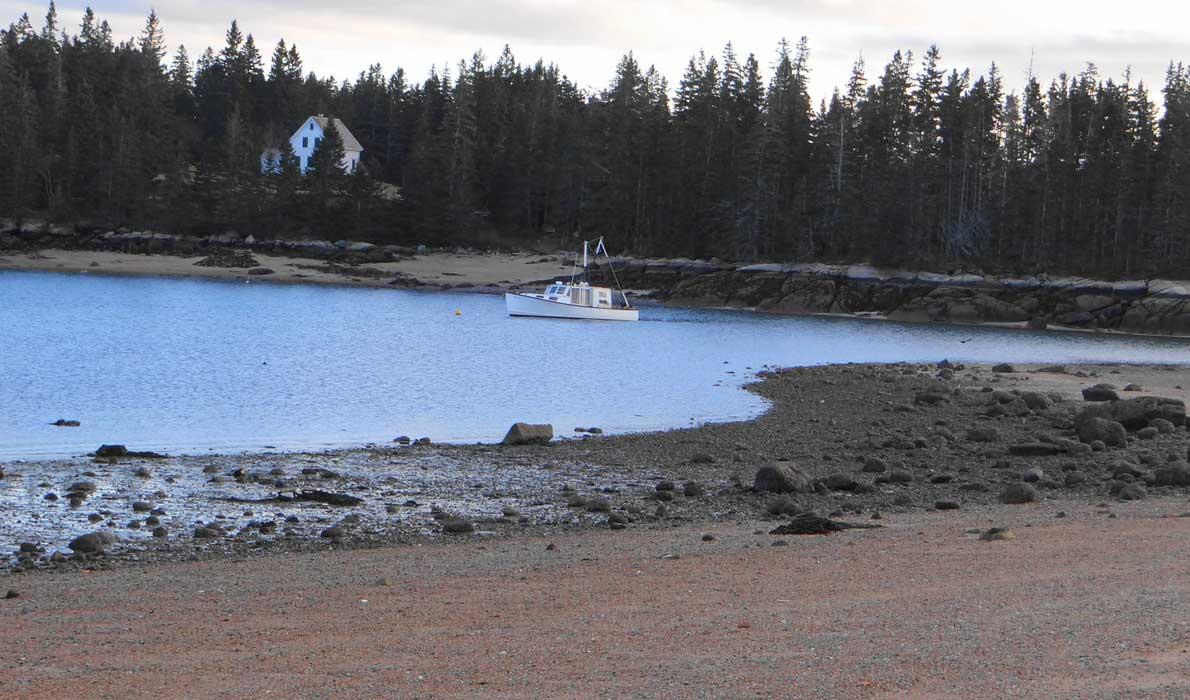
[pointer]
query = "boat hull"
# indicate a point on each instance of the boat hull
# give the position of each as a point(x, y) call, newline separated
point(525, 305)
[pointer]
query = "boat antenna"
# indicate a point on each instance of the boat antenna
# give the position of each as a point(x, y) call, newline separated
point(573, 270)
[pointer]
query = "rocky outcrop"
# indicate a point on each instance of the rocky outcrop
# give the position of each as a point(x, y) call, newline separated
point(1145, 306)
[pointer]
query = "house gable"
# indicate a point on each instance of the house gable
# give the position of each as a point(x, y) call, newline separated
point(310, 134)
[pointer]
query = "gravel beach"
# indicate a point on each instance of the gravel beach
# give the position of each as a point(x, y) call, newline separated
point(481, 571)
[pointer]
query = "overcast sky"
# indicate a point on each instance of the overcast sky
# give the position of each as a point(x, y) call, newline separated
point(587, 37)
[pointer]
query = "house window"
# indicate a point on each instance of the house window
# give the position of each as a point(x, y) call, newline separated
point(317, 141)
point(311, 126)
point(305, 142)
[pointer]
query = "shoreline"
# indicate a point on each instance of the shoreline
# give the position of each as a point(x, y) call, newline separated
point(589, 558)
point(472, 273)
point(519, 491)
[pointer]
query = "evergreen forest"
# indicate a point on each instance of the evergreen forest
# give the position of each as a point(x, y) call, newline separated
point(911, 164)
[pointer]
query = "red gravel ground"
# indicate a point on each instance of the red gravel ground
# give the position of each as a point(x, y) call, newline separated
point(1081, 607)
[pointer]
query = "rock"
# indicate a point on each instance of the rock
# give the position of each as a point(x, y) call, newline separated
point(784, 505)
point(665, 485)
point(92, 543)
point(983, 434)
point(1101, 392)
point(258, 271)
point(142, 472)
point(1122, 467)
point(702, 458)
point(457, 526)
point(840, 482)
point(708, 538)
point(1032, 476)
point(1001, 396)
point(997, 534)
point(1132, 492)
point(64, 423)
point(598, 505)
point(1036, 401)
point(1036, 449)
point(142, 506)
point(1004, 368)
point(1133, 388)
point(1135, 414)
point(780, 477)
point(1074, 479)
point(333, 533)
point(1162, 426)
point(82, 487)
point(160, 532)
point(11, 594)
point(931, 398)
point(1037, 323)
point(875, 465)
point(208, 533)
point(946, 505)
point(1147, 433)
point(1108, 431)
point(1019, 493)
point(693, 489)
point(529, 434)
point(111, 451)
point(900, 477)
point(1172, 474)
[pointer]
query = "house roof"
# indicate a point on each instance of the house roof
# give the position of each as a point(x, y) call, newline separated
point(350, 143)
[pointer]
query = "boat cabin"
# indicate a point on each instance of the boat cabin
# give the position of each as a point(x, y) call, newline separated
point(579, 295)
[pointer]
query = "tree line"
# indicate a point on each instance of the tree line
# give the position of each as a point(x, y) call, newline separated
point(914, 165)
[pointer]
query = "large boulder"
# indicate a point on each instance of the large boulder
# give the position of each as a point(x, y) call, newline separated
point(529, 434)
point(781, 477)
point(1111, 432)
point(92, 543)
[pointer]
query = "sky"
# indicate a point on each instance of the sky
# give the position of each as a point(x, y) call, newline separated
point(586, 38)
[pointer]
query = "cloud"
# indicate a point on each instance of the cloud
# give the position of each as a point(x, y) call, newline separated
point(586, 38)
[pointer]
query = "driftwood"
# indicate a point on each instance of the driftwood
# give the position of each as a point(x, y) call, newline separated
point(311, 495)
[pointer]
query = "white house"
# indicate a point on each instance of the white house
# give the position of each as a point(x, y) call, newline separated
point(306, 138)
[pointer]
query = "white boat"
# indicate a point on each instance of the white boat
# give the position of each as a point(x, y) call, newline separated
point(575, 299)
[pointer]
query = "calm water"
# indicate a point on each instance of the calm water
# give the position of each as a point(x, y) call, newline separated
point(189, 366)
